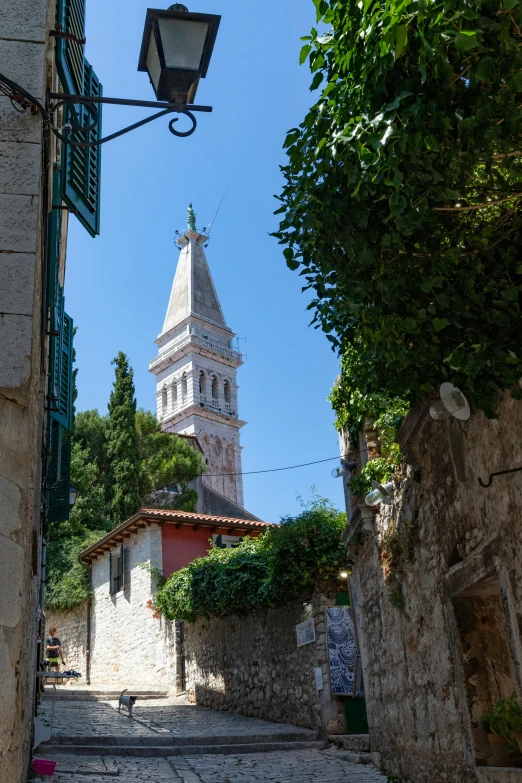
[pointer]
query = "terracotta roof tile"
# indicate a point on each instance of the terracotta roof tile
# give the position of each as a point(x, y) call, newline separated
point(146, 515)
point(189, 516)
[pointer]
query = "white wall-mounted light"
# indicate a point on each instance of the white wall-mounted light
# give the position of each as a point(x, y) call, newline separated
point(343, 575)
point(344, 466)
point(452, 403)
point(381, 493)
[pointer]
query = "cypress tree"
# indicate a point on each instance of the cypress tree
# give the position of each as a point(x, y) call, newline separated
point(123, 486)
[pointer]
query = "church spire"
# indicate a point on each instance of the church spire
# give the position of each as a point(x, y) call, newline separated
point(196, 368)
point(193, 292)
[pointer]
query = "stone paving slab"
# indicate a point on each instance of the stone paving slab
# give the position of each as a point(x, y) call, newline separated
point(165, 717)
point(306, 766)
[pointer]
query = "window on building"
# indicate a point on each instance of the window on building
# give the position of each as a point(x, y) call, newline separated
point(202, 383)
point(174, 394)
point(226, 542)
point(116, 566)
point(164, 401)
point(226, 389)
point(184, 386)
point(214, 387)
point(485, 654)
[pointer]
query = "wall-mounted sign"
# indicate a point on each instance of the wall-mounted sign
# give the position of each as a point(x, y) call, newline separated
point(305, 632)
point(319, 684)
point(342, 650)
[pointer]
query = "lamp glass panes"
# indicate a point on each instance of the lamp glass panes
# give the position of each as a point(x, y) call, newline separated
point(176, 50)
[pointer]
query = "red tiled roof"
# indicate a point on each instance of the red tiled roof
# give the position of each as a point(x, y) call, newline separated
point(162, 515)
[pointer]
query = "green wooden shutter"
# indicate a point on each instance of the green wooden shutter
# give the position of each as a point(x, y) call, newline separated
point(55, 351)
point(81, 165)
point(53, 449)
point(64, 412)
point(70, 18)
point(58, 505)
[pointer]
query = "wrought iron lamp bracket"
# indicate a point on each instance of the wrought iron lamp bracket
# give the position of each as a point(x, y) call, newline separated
point(55, 101)
point(489, 482)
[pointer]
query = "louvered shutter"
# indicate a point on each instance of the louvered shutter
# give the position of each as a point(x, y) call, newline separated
point(122, 567)
point(55, 351)
point(58, 504)
point(63, 412)
point(110, 574)
point(81, 165)
point(53, 449)
point(70, 18)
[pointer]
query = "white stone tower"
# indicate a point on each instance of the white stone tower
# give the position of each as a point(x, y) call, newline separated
point(195, 369)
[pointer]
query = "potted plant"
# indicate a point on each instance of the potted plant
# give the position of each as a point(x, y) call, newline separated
point(504, 726)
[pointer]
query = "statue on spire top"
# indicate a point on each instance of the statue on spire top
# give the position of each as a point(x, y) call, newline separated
point(191, 218)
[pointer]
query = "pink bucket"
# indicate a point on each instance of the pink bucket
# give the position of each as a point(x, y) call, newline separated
point(44, 767)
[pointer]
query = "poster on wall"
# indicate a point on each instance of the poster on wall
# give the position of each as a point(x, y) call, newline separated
point(342, 650)
point(305, 632)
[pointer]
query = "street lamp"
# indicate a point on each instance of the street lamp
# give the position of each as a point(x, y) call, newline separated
point(381, 493)
point(73, 494)
point(176, 50)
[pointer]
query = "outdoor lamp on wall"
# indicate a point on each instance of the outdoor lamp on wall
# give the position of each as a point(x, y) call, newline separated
point(339, 471)
point(73, 494)
point(452, 403)
point(176, 50)
point(381, 493)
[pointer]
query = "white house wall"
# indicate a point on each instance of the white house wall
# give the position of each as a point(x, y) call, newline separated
point(129, 646)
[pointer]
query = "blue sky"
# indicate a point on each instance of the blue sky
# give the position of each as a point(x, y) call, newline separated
point(118, 285)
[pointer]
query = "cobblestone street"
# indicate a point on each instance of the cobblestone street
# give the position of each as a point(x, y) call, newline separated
point(171, 742)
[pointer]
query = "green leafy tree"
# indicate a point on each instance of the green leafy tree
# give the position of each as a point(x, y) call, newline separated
point(123, 480)
point(166, 462)
point(401, 206)
point(302, 555)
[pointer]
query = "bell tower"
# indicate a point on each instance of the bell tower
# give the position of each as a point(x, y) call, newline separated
point(196, 390)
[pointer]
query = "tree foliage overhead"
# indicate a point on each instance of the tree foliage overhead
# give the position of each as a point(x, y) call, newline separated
point(401, 206)
point(302, 555)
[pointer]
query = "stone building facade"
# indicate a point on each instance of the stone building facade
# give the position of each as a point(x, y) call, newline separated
point(252, 665)
point(434, 666)
point(27, 58)
point(115, 638)
point(196, 388)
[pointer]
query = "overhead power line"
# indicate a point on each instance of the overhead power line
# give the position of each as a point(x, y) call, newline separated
point(272, 470)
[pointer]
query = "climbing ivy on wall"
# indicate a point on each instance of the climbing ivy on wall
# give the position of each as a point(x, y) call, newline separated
point(401, 206)
point(302, 555)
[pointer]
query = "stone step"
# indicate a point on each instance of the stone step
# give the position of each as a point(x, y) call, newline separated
point(54, 751)
point(70, 694)
point(359, 743)
point(170, 740)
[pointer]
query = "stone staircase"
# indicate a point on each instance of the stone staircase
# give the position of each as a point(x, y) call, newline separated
point(108, 693)
point(163, 746)
point(355, 747)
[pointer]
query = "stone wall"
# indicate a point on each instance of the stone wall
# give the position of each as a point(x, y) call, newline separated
point(24, 46)
point(252, 665)
point(433, 668)
point(71, 629)
point(129, 646)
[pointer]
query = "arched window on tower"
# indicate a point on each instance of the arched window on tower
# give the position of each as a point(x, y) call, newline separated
point(214, 387)
point(202, 389)
point(184, 387)
point(227, 392)
point(174, 394)
point(164, 401)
